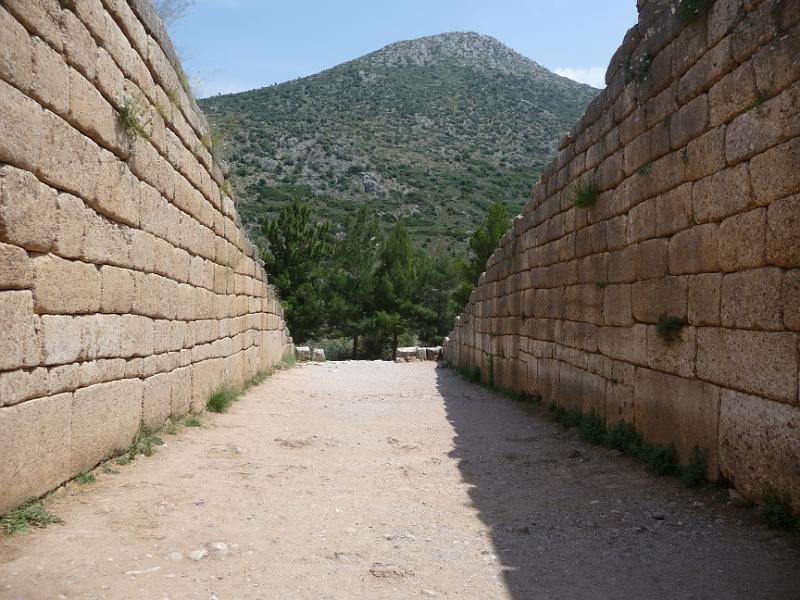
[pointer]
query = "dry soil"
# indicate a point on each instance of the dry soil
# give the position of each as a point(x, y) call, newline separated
point(381, 480)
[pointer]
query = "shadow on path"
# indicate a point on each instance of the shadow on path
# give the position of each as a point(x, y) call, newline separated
point(571, 520)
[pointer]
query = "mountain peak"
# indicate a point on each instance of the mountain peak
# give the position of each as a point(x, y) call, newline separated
point(462, 48)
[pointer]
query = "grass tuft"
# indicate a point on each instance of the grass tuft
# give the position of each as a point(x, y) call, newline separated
point(592, 429)
point(694, 475)
point(777, 511)
point(85, 478)
point(193, 420)
point(222, 398)
point(30, 514)
point(625, 438)
point(170, 428)
point(669, 328)
point(585, 194)
point(661, 459)
point(688, 11)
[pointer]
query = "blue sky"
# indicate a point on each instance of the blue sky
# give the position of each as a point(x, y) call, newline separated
point(235, 45)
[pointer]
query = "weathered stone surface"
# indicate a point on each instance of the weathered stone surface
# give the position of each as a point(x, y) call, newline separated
point(741, 241)
point(705, 292)
point(776, 173)
point(17, 334)
point(783, 232)
point(790, 299)
point(723, 194)
point(683, 412)
point(27, 210)
point(758, 445)
point(763, 363)
point(676, 356)
point(752, 299)
point(694, 250)
point(105, 420)
point(657, 297)
point(157, 400)
point(15, 268)
point(34, 439)
point(63, 286)
point(624, 343)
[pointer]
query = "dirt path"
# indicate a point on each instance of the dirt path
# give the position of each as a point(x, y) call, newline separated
point(380, 480)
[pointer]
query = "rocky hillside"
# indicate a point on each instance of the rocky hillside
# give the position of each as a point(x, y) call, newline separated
point(432, 130)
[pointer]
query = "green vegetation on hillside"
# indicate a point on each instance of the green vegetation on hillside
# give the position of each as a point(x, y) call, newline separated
point(430, 132)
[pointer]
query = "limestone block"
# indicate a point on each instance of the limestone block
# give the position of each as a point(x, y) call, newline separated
point(117, 290)
point(617, 308)
point(622, 265)
point(732, 95)
point(642, 221)
point(101, 371)
point(755, 131)
point(674, 210)
point(677, 356)
point(752, 299)
point(758, 445)
point(137, 332)
point(20, 385)
point(16, 53)
point(763, 363)
point(157, 400)
point(43, 17)
point(206, 376)
point(71, 219)
point(18, 346)
point(705, 155)
point(27, 210)
point(741, 241)
point(705, 292)
point(791, 300)
point(63, 378)
point(106, 242)
point(694, 250)
point(617, 232)
point(683, 412)
point(16, 270)
point(776, 173)
point(118, 193)
point(142, 251)
point(21, 129)
point(653, 258)
point(79, 46)
point(723, 194)
point(34, 439)
point(181, 392)
point(783, 232)
point(624, 343)
point(105, 420)
point(63, 286)
point(776, 63)
point(548, 379)
point(61, 339)
point(656, 297)
point(104, 336)
point(51, 78)
point(584, 303)
point(689, 122)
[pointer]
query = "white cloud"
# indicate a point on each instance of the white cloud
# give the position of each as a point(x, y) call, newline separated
point(594, 76)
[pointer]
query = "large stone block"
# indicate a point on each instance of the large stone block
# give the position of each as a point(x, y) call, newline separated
point(617, 305)
point(694, 250)
point(790, 299)
point(776, 173)
point(705, 292)
point(676, 356)
point(22, 384)
point(61, 339)
point(741, 240)
point(721, 195)
point(657, 297)
point(752, 299)
point(64, 286)
point(624, 343)
point(181, 392)
point(21, 128)
point(27, 210)
point(689, 122)
point(117, 290)
point(15, 268)
point(674, 210)
point(759, 446)
point(16, 53)
point(18, 347)
point(763, 363)
point(105, 420)
point(673, 410)
point(34, 441)
point(157, 400)
point(783, 232)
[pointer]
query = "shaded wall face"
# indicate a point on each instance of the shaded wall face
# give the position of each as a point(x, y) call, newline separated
point(127, 287)
point(693, 151)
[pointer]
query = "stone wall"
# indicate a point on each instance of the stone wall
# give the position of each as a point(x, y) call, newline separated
point(693, 150)
point(127, 287)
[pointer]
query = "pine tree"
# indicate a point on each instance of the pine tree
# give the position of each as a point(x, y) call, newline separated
point(293, 259)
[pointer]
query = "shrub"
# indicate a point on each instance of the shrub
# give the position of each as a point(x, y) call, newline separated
point(694, 475)
point(669, 328)
point(777, 511)
point(625, 438)
point(83, 478)
point(134, 118)
point(592, 429)
point(661, 459)
point(193, 420)
point(585, 194)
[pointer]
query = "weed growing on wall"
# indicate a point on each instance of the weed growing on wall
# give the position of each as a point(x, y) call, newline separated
point(669, 328)
point(222, 398)
point(85, 478)
point(193, 420)
point(688, 11)
point(134, 118)
point(585, 194)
